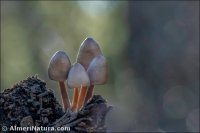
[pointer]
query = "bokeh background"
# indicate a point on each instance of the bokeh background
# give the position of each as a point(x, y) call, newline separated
point(152, 49)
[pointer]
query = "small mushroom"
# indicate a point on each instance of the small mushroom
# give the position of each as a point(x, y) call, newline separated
point(87, 51)
point(78, 78)
point(97, 72)
point(58, 70)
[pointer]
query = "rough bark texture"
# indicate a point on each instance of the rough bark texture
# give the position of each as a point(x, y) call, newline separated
point(30, 103)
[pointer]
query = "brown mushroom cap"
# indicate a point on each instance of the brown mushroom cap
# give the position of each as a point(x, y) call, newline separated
point(87, 51)
point(98, 70)
point(59, 66)
point(77, 76)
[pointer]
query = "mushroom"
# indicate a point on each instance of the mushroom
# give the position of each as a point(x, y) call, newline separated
point(97, 72)
point(58, 70)
point(78, 78)
point(87, 51)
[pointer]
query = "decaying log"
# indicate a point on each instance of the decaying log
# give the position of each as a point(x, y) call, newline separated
point(30, 103)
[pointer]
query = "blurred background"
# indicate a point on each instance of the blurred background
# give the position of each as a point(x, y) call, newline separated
point(152, 49)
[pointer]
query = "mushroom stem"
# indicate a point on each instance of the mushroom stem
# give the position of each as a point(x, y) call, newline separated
point(75, 99)
point(81, 97)
point(89, 93)
point(64, 95)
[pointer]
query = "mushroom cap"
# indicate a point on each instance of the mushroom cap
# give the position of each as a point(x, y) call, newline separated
point(98, 70)
point(77, 76)
point(87, 51)
point(59, 66)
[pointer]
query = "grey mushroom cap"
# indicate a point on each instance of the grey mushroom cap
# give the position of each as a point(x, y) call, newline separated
point(87, 51)
point(59, 66)
point(98, 70)
point(77, 76)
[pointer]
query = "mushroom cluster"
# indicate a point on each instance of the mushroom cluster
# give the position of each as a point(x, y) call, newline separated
point(89, 69)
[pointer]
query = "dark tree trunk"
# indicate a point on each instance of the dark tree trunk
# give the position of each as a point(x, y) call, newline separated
point(163, 51)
